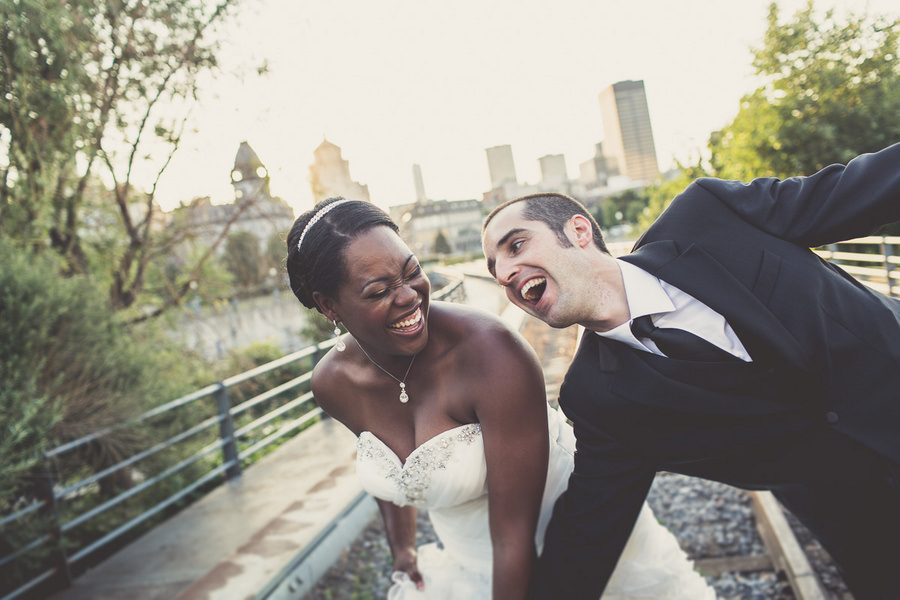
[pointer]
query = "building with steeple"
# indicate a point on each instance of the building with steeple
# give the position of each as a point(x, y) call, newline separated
point(254, 209)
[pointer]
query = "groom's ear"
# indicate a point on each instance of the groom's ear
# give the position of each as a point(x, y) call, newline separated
point(581, 231)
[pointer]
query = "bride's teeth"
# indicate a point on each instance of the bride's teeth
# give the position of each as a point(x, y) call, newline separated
point(407, 323)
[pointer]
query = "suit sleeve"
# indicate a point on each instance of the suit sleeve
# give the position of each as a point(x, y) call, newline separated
point(837, 203)
point(592, 520)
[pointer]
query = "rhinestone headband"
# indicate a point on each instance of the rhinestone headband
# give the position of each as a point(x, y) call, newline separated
point(315, 219)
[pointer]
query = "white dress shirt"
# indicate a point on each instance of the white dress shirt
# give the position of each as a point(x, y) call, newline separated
point(670, 307)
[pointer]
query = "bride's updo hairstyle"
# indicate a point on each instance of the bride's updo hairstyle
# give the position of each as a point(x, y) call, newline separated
point(318, 264)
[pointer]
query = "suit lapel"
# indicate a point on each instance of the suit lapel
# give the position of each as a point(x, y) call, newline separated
point(696, 272)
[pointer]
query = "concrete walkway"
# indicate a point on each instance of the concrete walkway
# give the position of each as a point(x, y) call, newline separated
point(230, 544)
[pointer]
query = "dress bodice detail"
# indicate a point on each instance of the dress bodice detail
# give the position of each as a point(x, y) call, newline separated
point(414, 482)
point(447, 475)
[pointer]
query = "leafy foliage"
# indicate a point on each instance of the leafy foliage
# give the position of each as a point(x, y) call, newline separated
point(89, 91)
point(244, 259)
point(831, 92)
point(661, 194)
point(70, 368)
point(441, 245)
point(624, 207)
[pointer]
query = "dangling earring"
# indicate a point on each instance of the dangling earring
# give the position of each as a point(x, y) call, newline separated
point(340, 346)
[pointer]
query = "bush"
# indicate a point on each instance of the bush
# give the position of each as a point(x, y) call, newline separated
point(68, 367)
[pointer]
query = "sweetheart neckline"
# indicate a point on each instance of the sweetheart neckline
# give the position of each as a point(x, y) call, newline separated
point(437, 436)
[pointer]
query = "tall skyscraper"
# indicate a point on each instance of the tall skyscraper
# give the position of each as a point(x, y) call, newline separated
point(501, 167)
point(628, 137)
point(420, 184)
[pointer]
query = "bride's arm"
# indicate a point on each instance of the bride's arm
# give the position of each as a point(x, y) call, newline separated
point(331, 391)
point(400, 527)
point(513, 416)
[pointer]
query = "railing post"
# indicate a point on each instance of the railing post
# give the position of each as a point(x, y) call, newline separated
point(226, 432)
point(886, 252)
point(51, 509)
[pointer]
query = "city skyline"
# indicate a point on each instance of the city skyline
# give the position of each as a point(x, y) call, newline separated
point(400, 83)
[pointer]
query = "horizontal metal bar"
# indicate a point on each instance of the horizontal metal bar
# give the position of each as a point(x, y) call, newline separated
point(269, 416)
point(140, 487)
point(207, 391)
point(284, 360)
point(196, 395)
point(140, 456)
point(311, 415)
point(34, 544)
point(37, 505)
point(858, 257)
point(148, 513)
point(268, 394)
point(31, 584)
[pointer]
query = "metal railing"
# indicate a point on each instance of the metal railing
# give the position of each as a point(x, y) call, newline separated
point(218, 461)
point(873, 260)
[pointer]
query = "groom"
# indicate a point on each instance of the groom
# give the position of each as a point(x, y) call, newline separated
point(802, 399)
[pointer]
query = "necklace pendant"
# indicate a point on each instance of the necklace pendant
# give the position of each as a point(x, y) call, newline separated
point(404, 397)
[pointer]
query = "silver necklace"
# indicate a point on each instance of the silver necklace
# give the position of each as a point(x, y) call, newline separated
point(404, 397)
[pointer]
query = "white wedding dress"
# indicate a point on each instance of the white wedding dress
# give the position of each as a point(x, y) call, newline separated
point(447, 476)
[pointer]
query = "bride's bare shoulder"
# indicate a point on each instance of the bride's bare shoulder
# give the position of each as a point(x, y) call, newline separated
point(478, 333)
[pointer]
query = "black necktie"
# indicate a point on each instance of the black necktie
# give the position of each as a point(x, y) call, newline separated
point(678, 343)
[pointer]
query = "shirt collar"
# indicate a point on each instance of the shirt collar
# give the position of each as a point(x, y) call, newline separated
point(645, 296)
point(643, 292)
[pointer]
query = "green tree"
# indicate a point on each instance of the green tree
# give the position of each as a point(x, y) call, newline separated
point(90, 88)
point(831, 92)
point(661, 195)
point(441, 245)
point(629, 204)
point(68, 368)
point(244, 260)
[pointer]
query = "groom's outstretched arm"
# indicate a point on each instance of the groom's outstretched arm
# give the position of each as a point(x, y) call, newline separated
point(591, 521)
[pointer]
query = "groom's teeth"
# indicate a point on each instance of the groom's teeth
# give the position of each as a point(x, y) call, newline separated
point(531, 284)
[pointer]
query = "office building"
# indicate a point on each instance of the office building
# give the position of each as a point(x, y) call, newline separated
point(501, 167)
point(628, 137)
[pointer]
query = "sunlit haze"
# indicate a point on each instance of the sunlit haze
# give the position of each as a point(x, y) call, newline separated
point(397, 83)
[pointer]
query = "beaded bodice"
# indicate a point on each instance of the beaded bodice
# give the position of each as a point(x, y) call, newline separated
point(447, 469)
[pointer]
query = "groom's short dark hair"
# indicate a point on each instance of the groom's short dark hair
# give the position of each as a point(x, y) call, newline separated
point(555, 210)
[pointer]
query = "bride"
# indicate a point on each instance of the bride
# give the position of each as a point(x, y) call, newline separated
point(448, 406)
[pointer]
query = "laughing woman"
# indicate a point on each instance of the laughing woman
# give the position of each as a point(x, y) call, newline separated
point(449, 410)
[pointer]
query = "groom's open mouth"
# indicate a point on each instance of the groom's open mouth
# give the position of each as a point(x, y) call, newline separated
point(533, 289)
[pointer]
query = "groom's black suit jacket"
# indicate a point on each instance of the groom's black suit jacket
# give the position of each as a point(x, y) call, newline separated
point(825, 371)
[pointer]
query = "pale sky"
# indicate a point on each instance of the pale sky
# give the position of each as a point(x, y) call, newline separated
point(399, 82)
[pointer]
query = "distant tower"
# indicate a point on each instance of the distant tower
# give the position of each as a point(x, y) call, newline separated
point(596, 171)
point(329, 175)
point(420, 184)
point(627, 134)
point(553, 171)
point(249, 177)
point(501, 166)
